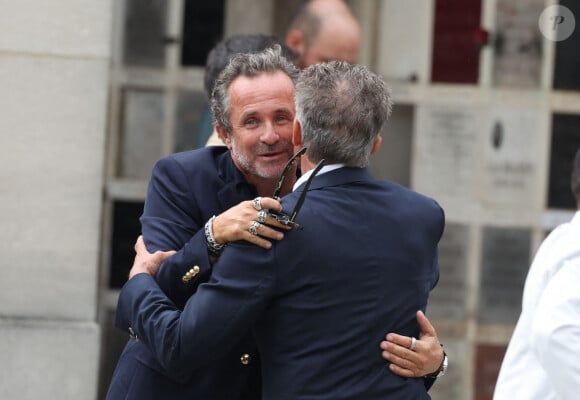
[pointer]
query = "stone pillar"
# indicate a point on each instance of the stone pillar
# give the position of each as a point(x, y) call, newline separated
point(54, 63)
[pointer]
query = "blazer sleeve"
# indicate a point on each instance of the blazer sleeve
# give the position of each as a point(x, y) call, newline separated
point(172, 220)
point(213, 318)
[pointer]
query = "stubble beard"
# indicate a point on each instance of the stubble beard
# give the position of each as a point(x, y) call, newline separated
point(270, 171)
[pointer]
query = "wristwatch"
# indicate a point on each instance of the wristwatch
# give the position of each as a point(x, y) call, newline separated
point(442, 369)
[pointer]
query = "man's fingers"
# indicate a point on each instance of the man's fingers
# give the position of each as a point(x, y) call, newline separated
point(265, 217)
point(426, 327)
point(160, 256)
point(259, 234)
point(405, 373)
point(402, 366)
point(271, 204)
point(140, 245)
point(266, 231)
point(157, 257)
point(258, 241)
point(274, 222)
point(400, 340)
point(399, 350)
point(420, 360)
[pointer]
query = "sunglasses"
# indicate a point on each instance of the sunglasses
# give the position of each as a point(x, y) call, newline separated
point(289, 220)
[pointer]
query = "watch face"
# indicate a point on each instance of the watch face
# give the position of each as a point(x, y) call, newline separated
point(443, 369)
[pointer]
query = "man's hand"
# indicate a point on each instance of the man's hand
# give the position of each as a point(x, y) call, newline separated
point(424, 359)
point(146, 262)
point(234, 223)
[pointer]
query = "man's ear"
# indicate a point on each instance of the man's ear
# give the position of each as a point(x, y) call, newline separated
point(296, 134)
point(295, 40)
point(223, 136)
point(377, 144)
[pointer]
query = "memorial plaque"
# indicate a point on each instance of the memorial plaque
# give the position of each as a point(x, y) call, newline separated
point(447, 300)
point(488, 363)
point(567, 60)
point(517, 44)
point(504, 267)
point(565, 143)
point(455, 54)
point(448, 156)
point(510, 173)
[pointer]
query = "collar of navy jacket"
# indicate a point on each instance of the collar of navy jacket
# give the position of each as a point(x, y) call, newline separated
point(337, 177)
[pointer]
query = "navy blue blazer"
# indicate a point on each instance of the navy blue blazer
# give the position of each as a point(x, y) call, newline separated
point(185, 190)
point(320, 301)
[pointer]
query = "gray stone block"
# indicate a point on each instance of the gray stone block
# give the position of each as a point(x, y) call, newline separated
point(52, 154)
point(48, 360)
point(57, 27)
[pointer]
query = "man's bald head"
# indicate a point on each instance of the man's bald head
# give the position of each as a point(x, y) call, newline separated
point(324, 30)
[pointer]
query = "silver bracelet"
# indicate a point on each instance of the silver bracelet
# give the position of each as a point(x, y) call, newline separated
point(214, 247)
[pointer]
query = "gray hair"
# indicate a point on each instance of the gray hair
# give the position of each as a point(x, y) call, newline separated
point(249, 65)
point(224, 51)
point(342, 108)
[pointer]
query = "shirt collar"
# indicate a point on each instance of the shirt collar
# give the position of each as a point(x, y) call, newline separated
point(325, 169)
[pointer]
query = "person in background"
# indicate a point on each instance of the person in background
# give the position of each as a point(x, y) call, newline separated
point(541, 361)
point(324, 30)
point(316, 339)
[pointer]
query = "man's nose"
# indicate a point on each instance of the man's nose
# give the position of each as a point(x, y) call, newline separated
point(270, 135)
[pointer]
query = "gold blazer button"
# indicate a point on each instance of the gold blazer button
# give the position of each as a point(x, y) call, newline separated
point(190, 274)
point(245, 359)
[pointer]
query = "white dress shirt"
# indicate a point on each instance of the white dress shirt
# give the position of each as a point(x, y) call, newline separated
point(323, 170)
point(543, 357)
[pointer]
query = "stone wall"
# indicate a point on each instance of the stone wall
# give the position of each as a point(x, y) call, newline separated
point(54, 68)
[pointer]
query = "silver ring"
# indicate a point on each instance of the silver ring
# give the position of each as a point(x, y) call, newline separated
point(257, 203)
point(413, 343)
point(253, 229)
point(262, 215)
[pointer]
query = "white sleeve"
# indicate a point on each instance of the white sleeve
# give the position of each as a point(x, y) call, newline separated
point(555, 332)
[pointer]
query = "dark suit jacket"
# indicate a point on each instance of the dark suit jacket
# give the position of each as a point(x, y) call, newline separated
point(185, 190)
point(320, 301)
